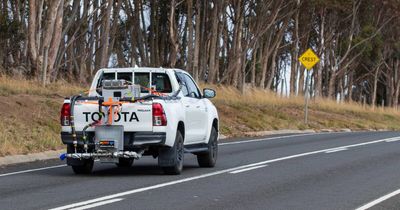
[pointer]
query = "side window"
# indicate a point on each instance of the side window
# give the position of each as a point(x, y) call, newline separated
point(143, 80)
point(161, 82)
point(193, 90)
point(181, 81)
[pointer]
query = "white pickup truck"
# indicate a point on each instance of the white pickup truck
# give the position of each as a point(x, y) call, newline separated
point(130, 112)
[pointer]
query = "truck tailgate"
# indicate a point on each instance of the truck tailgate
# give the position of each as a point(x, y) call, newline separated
point(133, 116)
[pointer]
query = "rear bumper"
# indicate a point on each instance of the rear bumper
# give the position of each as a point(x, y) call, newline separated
point(131, 139)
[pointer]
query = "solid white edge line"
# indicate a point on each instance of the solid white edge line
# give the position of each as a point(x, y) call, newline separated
point(247, 169)
point(32, 170)
point(102, 203)
point(267, 139)
point(393, 139)
point(138, 190)
point(379, 200)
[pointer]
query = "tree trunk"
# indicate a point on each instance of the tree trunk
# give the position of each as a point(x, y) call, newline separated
point(56, 40)
point(197, 42)
point(350, 87)
point(213, 43)
point(253, 67)
point(320, 65)
point(115, 25)
point(105, 35)
point(331, 87)
point(273, 68)
point(173, 38)
point(237, 54)
point(294, 65)
point(189, 66)
point(33, 54)
point(375, 88)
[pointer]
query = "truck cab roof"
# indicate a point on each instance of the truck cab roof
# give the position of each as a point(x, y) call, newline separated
point(140, 69)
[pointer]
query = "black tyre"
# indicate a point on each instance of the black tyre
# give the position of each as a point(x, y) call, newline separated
point(209, 158)
point(85, 168)
point(176, 154)
point(125, 162)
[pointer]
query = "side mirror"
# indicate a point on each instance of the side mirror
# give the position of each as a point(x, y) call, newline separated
point(208, 93)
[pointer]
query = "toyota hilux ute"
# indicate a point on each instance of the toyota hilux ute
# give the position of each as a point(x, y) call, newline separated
point(132, 112)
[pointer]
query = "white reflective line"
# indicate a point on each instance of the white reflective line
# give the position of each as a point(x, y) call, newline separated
point(143, 189)
point(267, 139)
point(221, 144)
point(379, 200)
point(247, 169)
point(138, 190)
point(336, 150)
point(393, 139)
point(102, 203)
point(32, 170)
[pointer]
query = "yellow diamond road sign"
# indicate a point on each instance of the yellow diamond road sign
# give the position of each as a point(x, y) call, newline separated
point(309, 59)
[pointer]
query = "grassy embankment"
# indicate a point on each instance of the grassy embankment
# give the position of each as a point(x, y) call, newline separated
point(29, 114)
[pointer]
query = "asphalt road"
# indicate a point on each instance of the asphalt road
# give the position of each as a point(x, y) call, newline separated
point(308, 171)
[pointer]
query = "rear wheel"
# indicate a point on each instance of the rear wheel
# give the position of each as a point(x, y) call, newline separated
point(85, 168)
point(125, 162)
point(209, 158)
point(175, 156)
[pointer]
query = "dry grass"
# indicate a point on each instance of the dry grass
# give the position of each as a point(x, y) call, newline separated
point(260, 110)
point(10, 86)
point(29, 114)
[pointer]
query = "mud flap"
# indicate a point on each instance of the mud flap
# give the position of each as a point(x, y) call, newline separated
point(167, 156)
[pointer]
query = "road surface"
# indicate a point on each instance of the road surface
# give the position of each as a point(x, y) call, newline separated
point(357, 170)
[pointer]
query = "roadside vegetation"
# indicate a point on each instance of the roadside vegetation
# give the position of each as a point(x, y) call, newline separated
point(260, 110)
point(29, 114)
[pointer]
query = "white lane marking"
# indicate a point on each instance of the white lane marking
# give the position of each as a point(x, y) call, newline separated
point(138, 190)
point(336, 150)
point(379, 200)
point(220, 144)
point(247, 169)
point(36, 169)
point(102, 203)
point(144, 189)
point(267, 139)
point(32, 170)
point(393, 139)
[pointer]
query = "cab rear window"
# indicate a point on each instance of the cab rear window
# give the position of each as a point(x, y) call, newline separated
point(159, 81)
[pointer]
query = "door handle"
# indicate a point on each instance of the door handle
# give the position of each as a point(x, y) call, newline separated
point(197, 106)
point(187, 106)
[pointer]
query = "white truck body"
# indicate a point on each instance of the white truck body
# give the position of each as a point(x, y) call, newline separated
point(189, 109)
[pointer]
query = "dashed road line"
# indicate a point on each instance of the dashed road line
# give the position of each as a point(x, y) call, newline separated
point(179, 181)
point(337, 150)
point(101, 203)
point(247, 169)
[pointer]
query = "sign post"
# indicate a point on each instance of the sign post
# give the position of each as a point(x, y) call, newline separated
point(308, 59)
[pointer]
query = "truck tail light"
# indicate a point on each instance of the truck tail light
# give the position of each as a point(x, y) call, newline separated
point(159, 118)
point(65, 117)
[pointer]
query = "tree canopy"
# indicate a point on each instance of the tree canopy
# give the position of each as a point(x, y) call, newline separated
point(233, 42)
